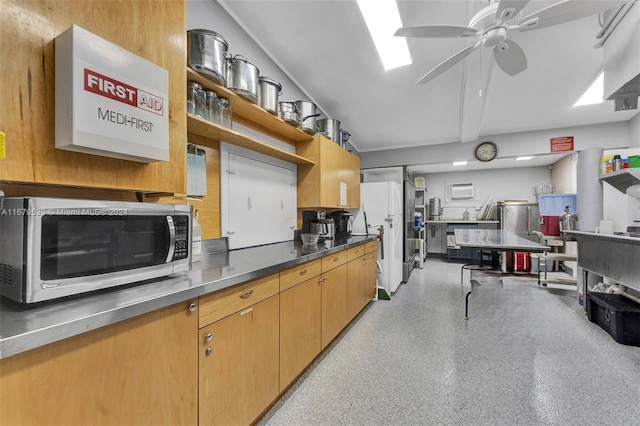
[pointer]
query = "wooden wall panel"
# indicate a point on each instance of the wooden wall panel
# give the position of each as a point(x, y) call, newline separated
point(152, 29)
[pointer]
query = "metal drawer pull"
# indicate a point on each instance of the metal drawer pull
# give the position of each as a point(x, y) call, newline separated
point(324, 280)
point(246, 294)
point(335, 259)
point(246, 311)
point(303, 272)
point(192, 307)
point(208, 351)
point(208, 337)
point(320, 281)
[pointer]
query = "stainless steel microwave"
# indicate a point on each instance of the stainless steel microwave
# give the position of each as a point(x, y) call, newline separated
point(52, 247)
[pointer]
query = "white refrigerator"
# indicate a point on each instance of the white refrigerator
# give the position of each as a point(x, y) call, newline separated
point(382, 203)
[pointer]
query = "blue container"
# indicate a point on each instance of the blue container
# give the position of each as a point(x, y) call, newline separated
point(554, 204)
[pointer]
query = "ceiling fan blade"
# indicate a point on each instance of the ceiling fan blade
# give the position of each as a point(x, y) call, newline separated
point(507, 9)
point(437, 31)
point(510, 57)
point(565, 11)
point(448, 63)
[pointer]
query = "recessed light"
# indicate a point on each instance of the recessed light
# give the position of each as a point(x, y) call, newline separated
point(383, 19)
point(594, 94)
point(527, 157)
point(459, 163)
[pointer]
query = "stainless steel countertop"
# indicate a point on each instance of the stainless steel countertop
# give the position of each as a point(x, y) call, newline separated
point(25, 327)
point(493, 239)
point(460, 221)
point(612, 256)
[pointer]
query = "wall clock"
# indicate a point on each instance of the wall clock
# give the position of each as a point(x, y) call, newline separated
point(486, 151)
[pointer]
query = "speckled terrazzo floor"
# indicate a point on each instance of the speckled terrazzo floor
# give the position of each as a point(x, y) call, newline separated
point(527, 356)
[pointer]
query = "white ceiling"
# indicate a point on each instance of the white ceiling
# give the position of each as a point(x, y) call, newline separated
point(325, 47)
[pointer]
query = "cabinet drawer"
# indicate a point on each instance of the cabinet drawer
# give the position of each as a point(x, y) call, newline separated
point(218, 305)
point(355, 252)
point(300, 273)
point(333, 260)
point(371, 246)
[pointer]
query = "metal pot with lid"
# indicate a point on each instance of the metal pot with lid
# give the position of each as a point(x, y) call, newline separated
point(206, 52)
point(268, 92)
point(288, 111)
point(242, 77)
point(308, 113)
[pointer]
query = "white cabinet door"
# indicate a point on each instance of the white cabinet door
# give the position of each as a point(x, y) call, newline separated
point(260, 205)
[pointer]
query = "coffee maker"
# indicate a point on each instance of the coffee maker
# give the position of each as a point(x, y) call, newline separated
point(317, 222)
point(344, 222)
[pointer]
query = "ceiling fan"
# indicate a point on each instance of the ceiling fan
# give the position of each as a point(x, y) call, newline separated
point(491, 26)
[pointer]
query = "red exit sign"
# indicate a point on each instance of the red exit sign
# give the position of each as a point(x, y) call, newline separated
point(562, 144)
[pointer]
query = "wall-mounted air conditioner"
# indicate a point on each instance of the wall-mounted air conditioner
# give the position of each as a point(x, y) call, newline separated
point(461, 191)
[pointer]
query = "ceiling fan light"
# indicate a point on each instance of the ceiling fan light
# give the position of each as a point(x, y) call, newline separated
point(494, 37)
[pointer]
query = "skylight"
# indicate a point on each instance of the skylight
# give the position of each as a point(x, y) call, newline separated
point(383, 19)
point(594, 94)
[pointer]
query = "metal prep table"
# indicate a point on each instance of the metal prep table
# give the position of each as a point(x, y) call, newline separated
point(493, 240)
point(612, 256)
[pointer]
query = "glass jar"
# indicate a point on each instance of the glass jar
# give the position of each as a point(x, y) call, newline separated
point(226, 112)
point(214, 109)
point(196, 99)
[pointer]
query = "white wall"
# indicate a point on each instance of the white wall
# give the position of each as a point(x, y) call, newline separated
point(390, 174)
point(609, 135)
point(563, 175)
point(207, 14)
point(634, 131)
point(502, 184)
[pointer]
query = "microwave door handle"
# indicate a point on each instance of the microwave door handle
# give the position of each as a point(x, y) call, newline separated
point(172, 238)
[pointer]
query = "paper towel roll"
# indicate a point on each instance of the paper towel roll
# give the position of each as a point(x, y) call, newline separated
point(589, 189)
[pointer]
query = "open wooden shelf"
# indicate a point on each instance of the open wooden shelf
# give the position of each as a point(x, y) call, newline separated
point(251, 115)
point(203, 132)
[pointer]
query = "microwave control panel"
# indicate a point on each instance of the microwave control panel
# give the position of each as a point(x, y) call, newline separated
point(181, 224)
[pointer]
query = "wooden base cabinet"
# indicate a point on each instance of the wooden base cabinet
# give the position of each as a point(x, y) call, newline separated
point(239, 365)
point(335, 315)
point(141, 371)
point(300, 328)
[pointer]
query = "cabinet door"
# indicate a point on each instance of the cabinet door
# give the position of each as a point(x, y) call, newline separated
point(371, 277)
point(334, 303)
point(300, 328)
point(355, 276)
point(142, 371)
point(330, 173)
point(360, 287)
point(351, 172)
point(239, 365)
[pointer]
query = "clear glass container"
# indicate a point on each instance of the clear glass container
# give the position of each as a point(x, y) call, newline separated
point(196, 99)
point(226, 112)
point(214, 109)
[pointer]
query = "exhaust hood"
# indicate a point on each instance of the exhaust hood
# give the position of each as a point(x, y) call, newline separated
point(626, 97)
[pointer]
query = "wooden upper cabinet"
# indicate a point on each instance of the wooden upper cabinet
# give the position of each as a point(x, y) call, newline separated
point(28, 107)
point(319, 185)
